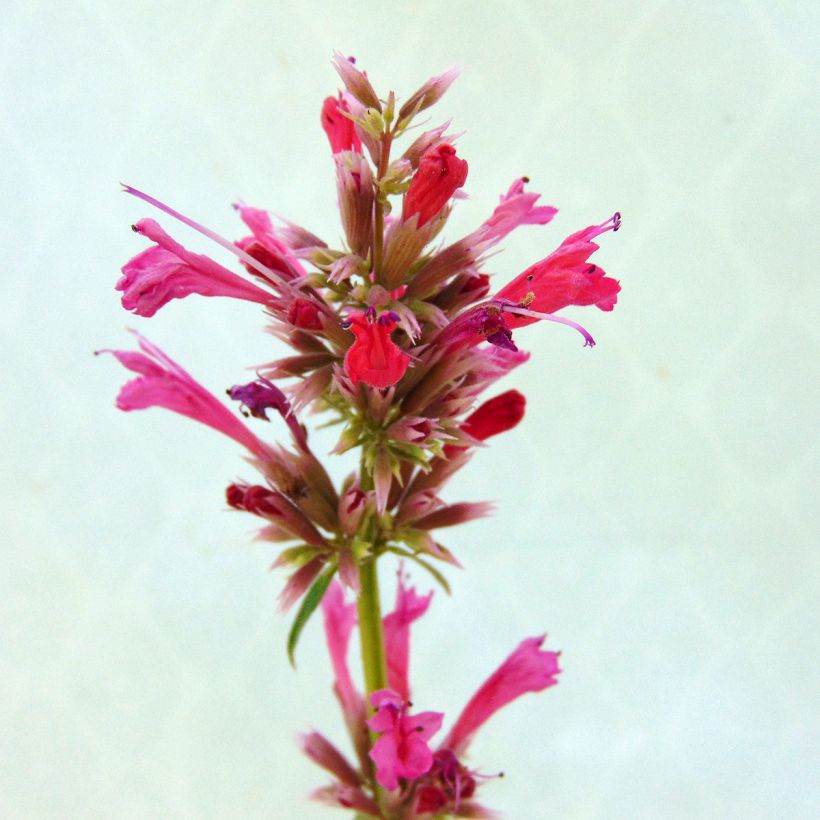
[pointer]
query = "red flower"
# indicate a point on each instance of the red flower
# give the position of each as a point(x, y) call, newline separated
point(440, 173)
point(564, 278)
point(497, 415)
point(374, 358)
point(340, 130)
point(304, 314)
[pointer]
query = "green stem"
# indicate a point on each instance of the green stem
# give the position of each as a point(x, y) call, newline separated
point(374, 660)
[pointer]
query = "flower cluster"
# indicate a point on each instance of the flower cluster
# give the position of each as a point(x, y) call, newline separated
point(396, 336)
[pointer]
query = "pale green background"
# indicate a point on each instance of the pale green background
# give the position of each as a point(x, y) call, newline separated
point(657, 510)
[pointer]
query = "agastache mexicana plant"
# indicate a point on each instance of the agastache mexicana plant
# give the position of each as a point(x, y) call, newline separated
point(397, 338)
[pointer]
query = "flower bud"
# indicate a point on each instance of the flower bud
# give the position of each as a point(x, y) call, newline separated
point(429, 94)
point(497, 415)
point(355, 81)
point(352, 506)
point(340, 129)
point(354, 182)
point(439, 175)
point(304, 313)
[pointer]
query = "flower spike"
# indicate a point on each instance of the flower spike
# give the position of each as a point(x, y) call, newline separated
point(393, 289)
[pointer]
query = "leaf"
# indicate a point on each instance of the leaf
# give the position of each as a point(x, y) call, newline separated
point(439, 577)
point(434, 572)
point(312, 599)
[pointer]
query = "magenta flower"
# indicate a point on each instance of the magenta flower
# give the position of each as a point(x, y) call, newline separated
point(410, 606)
point(168, 271)
point(163, 383)
point(527, 669)
point(339, 620)
point(517, 207)
point(402, 751)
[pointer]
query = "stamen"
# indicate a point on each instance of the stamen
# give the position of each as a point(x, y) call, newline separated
point(549, 317)
point(229, 246)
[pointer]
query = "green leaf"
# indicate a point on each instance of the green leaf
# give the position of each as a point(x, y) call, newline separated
point(439, 577)
point(312, 599)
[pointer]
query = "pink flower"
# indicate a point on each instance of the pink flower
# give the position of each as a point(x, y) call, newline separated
point(527, 669)
point(163, 383)
point(439, 175)
point(517, 208)
point(409, 607)
point(402, 751)
point(339, 620)
point(340, 130)
point(564, 278)
point(168, 271)
point(374, 358)
point(265, 246)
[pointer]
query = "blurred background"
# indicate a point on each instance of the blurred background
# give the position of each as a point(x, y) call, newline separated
point(657, 509)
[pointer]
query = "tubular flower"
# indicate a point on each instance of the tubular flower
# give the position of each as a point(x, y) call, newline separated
point(410, 606)
point(168, 271)
point(517, 207)
point(527, 669)
point(439, 175)
point(163, 383)
point(563, 278)
point(402, 751)
point(340, 129)
point(374, 358)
